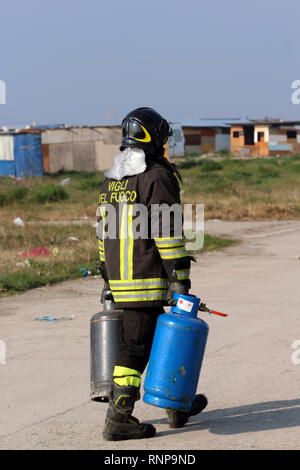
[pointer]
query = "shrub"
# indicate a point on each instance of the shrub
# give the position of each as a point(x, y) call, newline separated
point(268, 172)
point(17, 194)
point(48, 193)
point(13, 195)
point(210, 165)
point(2, 199)
point(239, 175)
point(187, 164)
point(91, 183)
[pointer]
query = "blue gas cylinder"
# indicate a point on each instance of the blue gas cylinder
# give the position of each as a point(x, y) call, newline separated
point(176, 356)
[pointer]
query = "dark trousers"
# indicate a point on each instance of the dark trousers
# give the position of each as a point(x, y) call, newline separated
point(137, 332)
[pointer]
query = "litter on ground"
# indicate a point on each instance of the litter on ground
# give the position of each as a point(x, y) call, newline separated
point(36, 252)
point(18, 221)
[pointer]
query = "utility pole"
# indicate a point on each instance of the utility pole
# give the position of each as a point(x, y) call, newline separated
point(108, 117)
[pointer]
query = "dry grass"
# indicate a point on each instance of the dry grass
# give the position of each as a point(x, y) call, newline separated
point(244, 190)
point(229, 189)
point(68, 259)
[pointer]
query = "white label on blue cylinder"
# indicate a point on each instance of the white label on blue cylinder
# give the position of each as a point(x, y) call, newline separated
point(185, 305)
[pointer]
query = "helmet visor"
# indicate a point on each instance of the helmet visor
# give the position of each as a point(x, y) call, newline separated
point(133, 130)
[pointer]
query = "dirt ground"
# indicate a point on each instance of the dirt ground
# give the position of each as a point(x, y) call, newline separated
point(249, 375)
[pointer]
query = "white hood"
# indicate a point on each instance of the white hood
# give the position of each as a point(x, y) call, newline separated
point(127, 163)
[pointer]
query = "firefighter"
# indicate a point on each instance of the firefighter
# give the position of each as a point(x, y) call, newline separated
point(140, 273)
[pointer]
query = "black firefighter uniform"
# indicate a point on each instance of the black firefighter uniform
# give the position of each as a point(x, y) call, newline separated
point(139, 269)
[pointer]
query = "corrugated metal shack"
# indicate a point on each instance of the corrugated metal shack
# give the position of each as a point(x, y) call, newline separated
point(266, 137)
point(21, 153)
point(207, 135)
point(49, 149)
point(249, 138)
point(87, 148)
point(242, 137)
point(284, 137)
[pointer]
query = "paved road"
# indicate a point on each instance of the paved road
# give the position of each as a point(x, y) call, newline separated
point(248, 374)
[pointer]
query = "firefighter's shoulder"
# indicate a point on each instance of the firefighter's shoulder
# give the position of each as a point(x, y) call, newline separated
point(158, 171)
point(158, 184)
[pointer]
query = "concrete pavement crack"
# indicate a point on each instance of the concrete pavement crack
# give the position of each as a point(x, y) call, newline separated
point(61, 413)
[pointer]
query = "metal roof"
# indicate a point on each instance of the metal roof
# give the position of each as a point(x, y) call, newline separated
point(212, 122)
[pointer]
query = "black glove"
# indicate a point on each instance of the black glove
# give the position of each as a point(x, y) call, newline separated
point(106, 293)
point(181, 287)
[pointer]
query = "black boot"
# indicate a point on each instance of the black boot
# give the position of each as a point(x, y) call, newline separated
point(119, 423)
point(177, 419)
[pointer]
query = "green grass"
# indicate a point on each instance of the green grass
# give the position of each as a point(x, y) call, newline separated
point(44, 198)
point(39, 274)
point(39, 195)
point(244, 189)
point(48, 193)
point(230, 189)
point(216, 243)
point(17, 194)
point(70, 261)
point(91, 184)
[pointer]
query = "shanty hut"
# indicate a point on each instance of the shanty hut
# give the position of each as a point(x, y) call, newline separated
point(20, 153)
point(80, 148)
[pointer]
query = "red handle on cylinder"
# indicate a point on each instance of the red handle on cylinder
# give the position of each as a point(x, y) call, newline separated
point(218, 313)
point(203, 308)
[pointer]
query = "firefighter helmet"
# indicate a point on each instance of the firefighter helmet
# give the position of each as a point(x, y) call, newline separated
point(145, 129)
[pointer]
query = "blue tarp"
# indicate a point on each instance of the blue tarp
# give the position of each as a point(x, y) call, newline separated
point(28, 155)
point(7, 167)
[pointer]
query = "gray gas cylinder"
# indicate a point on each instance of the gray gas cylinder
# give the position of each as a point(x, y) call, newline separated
point(105, 344)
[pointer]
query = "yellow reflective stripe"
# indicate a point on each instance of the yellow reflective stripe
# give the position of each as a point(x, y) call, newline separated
point(165, 239)
point(121, 370)
point(122, 240)
point(139, 295)
point(171, 249)
point(128, 382)
point(163, 284)
point(150, 287)
point(126, 377)
point(179, 249)
point(101, 242)
point(130, 245)
point(183, 273)
point(170, 243)
point(141, 299)
point(139, 292)
point(126, 242)
point(125, 281)
point(176, 252)
point(181, 255)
